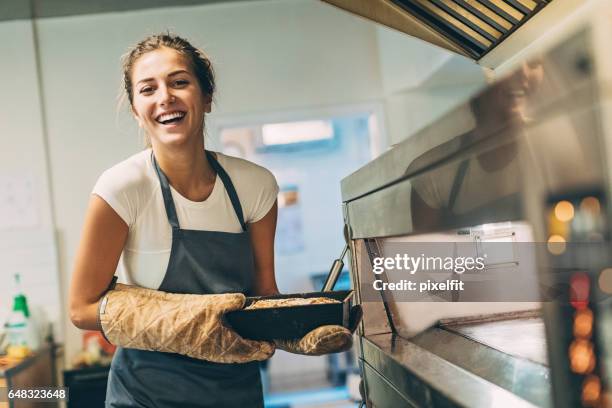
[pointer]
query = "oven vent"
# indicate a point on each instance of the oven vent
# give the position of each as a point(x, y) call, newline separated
point(468, 27)
point(476, 26)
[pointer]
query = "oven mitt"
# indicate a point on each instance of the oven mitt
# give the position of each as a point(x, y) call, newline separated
point(186, 324)
point(324, 339)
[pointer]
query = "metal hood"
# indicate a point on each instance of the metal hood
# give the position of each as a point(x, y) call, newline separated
point(468, 27)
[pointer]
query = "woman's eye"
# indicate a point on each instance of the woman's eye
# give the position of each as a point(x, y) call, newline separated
point(146, 90)
point(181, 82)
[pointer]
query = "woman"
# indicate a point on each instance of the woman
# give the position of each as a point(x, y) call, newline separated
point(194, 231)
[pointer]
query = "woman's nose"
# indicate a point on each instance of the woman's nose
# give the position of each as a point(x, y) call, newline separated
point(165, 96)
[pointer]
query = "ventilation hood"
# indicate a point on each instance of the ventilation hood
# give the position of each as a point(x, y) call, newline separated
point(468, 27)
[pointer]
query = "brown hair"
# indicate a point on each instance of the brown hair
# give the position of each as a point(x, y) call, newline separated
point(200, 63)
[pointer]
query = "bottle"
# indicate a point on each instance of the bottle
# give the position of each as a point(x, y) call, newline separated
point(21, 332)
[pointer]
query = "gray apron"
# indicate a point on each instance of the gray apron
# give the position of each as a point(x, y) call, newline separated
point(201, 262)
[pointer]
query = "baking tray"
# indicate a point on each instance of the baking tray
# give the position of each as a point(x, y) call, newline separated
point(290, 322)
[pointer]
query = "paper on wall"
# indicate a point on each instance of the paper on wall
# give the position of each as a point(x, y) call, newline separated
point(18, 202)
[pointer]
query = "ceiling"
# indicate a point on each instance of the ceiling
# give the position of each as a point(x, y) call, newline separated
point(25, 9)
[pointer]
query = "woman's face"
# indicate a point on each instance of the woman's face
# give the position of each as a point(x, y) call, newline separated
point(168, 102)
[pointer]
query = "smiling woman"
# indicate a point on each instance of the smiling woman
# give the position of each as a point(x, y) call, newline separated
point(194, 232)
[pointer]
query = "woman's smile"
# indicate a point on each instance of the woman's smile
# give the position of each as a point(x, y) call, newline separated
point(171, 119)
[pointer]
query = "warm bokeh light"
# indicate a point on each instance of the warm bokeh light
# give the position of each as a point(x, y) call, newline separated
point(582, 358)
point(556, 244)
point(583, 323)
point(580, 290)
point(590, 205)
point(605, 280)
point(564, 211)
point(591, 390)
point(556, 227)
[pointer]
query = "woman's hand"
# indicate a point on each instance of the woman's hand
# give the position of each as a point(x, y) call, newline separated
point(103, 237)
point(324, 339)
point(191, 325)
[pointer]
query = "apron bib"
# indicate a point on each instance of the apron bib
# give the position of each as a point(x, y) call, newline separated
point(201, 262)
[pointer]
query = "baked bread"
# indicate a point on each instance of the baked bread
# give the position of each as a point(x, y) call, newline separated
point(288, 302)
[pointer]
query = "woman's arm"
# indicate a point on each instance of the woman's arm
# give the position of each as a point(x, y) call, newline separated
point(262, 239)
point(103, 237)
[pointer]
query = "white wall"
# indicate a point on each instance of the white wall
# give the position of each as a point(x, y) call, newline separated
point(421, 82)
point(406, 62)
point(27, 242)
point(21, 135)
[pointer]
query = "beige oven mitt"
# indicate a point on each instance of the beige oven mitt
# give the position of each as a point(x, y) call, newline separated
point(324, 339)
point(191, 325)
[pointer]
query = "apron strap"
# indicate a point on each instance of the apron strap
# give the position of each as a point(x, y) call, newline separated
point(227, 182)
point(229, 187)
point(167, 194)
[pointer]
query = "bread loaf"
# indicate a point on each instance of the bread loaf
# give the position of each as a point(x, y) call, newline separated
point(269, 303)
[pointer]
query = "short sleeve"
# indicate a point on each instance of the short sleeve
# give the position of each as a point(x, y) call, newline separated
point(113, 188)
point(268, 192)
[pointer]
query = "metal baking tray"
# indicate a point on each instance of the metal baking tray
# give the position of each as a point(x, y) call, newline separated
point(290, 322)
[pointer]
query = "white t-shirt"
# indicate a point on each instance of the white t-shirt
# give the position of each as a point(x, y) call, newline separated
point(132, 189)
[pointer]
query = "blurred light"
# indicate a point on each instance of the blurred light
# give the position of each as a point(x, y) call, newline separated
point(591, 390)
point(564, 211)
point(583, 323)
point(582, 358)
point(556, 244)
point(296, 132)
point(580, 288)
point(590, 205)
point(556, 227)
point(605, 280)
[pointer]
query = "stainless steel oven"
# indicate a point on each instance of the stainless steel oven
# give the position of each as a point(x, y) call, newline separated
point(501, 168)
